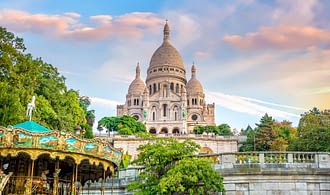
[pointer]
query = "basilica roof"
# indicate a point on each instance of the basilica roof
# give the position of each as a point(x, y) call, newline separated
point(166, 54)
point(193, 85)
point(137, 86)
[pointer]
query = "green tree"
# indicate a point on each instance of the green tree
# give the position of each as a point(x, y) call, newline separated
point(224, 129)
point(249, 145)
point(313, 132)
point(166, 160)
point(85, 102)
point(192, 175)
point(124, 125)
point(265, 134)
point(22, 76)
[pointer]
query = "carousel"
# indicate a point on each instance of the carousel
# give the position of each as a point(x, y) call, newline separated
point(37, 160)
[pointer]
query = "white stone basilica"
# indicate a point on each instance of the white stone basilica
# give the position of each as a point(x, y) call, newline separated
point(166, 102)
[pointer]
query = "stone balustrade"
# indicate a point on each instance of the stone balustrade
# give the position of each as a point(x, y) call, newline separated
point(299, 159)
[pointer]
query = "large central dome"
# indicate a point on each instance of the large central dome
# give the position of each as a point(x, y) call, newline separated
point(166, 58)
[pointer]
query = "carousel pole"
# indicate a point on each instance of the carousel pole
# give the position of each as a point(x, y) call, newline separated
point(103, 180)
point(28, 184)
point(76, 177)
point(55, 174)
point(73, 188)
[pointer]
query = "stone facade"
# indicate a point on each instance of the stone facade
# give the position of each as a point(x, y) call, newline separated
point(209, 144)
point(166, 102)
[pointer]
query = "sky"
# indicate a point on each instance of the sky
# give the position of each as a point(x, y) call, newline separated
point(252, 56)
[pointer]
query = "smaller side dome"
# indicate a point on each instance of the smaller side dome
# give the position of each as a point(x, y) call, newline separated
point(193, 85)
point(137, 86)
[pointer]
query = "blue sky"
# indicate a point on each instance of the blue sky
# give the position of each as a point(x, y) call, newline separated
point(252, 56)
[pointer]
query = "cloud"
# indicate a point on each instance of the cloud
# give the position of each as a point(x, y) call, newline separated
point(250, 106)
point(69, 26)
point(273, 104)
point(104, 102)
point(280, 37)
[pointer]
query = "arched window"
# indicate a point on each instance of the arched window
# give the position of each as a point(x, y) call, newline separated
point(152, 130)
point(154, 91)
point(164, 130)
point(164, 110)
point(177, 88)
point(175, 131)
point(150, 92)
point(172, 86)
point(153, 115)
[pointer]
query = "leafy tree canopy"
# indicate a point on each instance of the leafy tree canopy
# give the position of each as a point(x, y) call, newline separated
point(170, 167)
point(222, 129)
point(22, 76)
point(124, 125)
point(313, 132)
point(269, 135)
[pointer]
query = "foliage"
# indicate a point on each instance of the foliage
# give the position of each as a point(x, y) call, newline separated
point(126, 158)
point(22, 76)
point(85, 102)
point(192, 175)
point(313, 133)
point(164, 160)
point(265, 134)
point(250, 136)
point(222, 129)
point(124, 125)
point(269, 135)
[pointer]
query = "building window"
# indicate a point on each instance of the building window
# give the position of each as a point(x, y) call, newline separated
point(164, 110)
point(150, 90)
point(177, 88)
point(172, 86)
point(154, 91)
point(194, 101)
point(175, 116)
point(194, 117)
point(152, 130)
point(153, 116)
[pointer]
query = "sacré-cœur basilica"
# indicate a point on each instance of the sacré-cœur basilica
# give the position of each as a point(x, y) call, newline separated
point(166, 103)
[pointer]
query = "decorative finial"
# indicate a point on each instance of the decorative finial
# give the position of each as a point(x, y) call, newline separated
point(137, 75)
point(166, 31)
point(193, 70)
point(30, 107)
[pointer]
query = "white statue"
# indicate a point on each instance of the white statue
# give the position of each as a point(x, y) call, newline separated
point(30, 107)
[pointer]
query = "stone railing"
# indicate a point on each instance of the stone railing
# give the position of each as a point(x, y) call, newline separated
point(297, 159)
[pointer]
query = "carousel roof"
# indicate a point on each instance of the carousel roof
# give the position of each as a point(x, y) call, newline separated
point(32, 127)
point(35, 140)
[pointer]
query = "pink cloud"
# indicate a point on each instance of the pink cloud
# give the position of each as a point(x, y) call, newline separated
point(280, 37)
point(69, 25)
